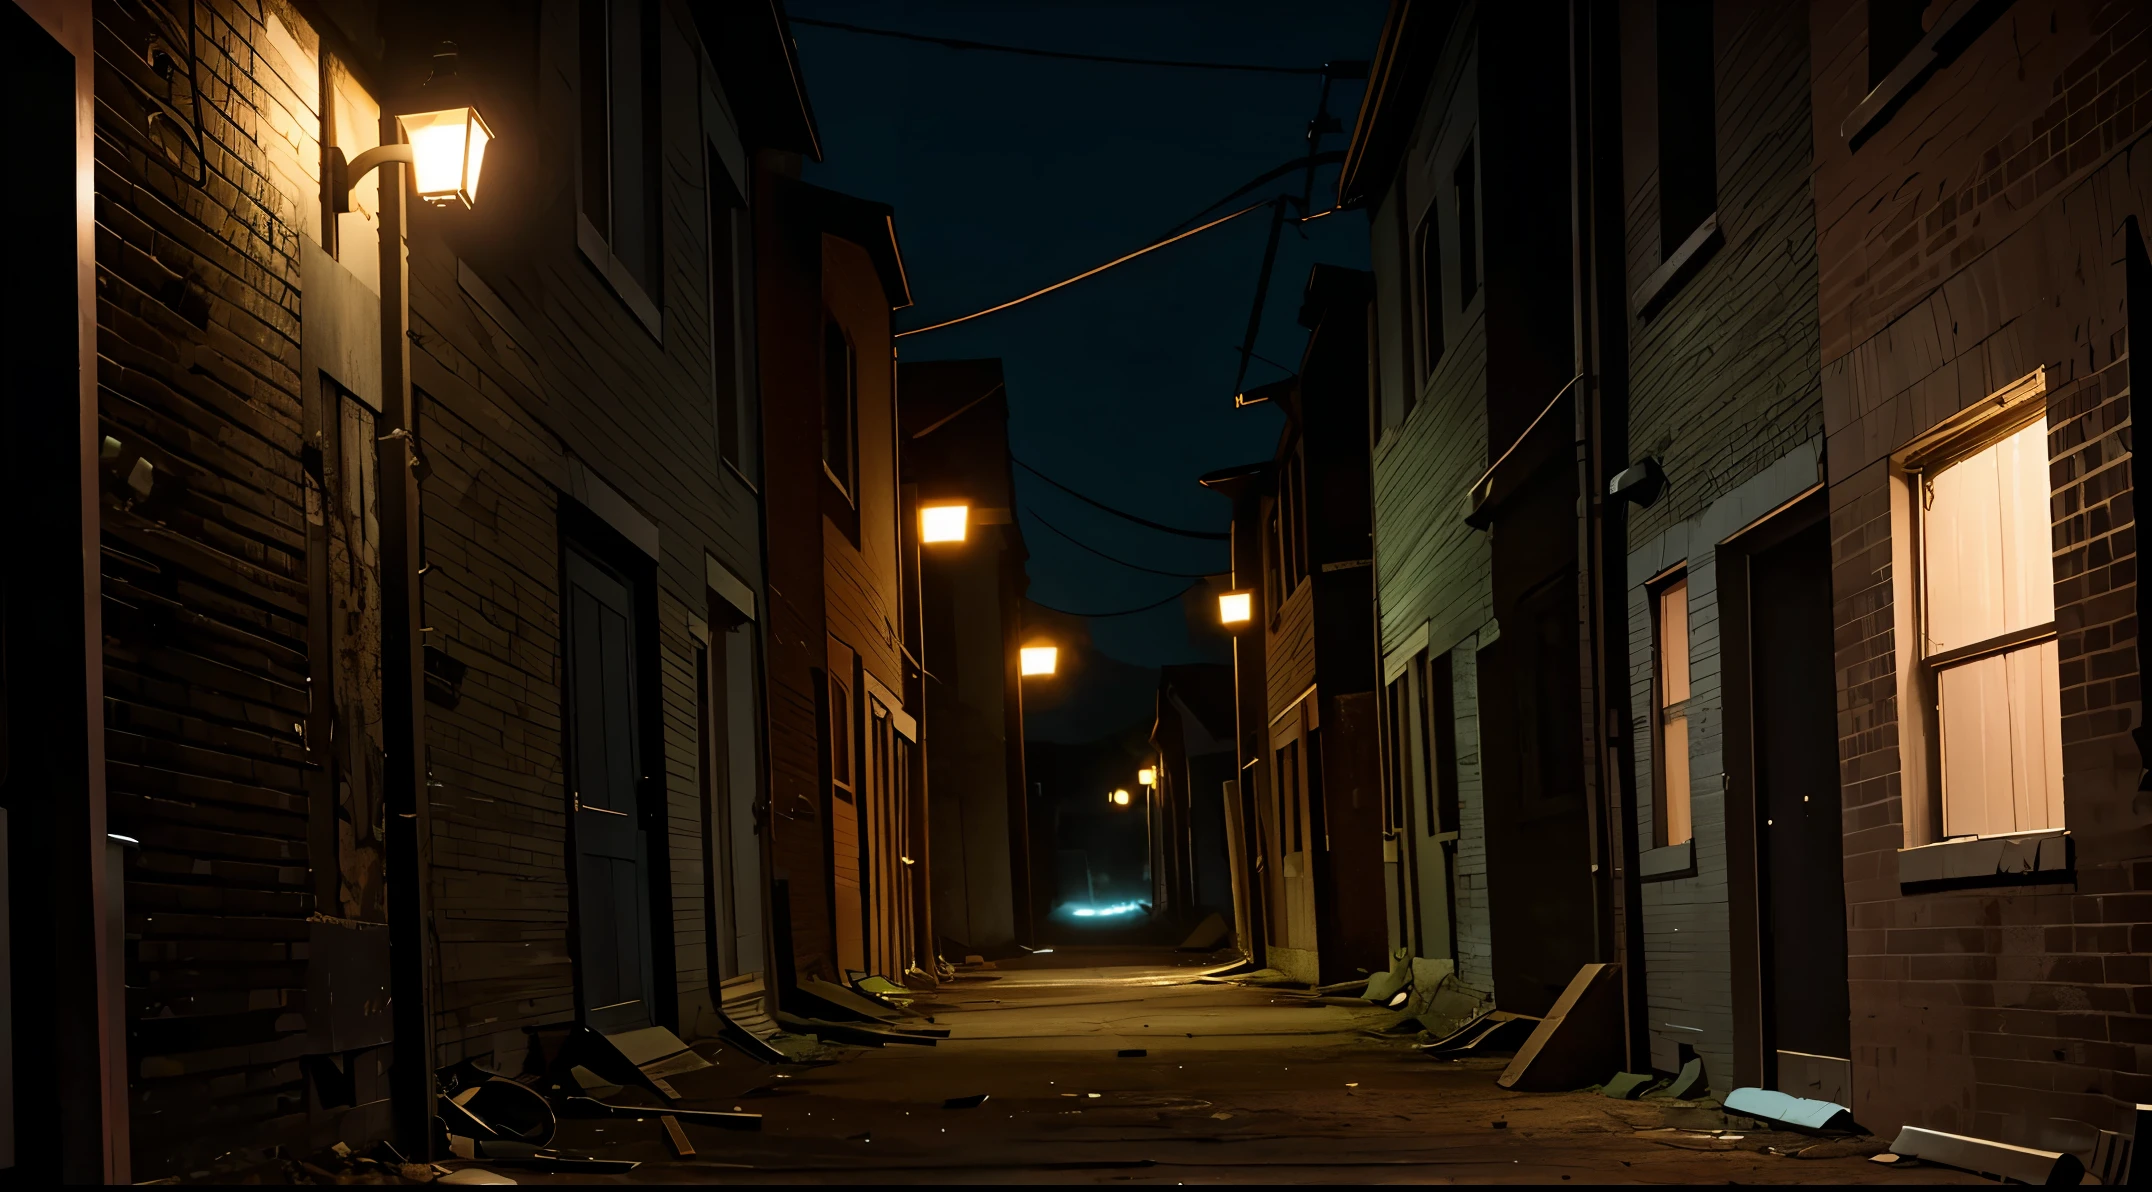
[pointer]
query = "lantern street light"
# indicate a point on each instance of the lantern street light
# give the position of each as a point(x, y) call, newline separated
point(1037, 660)
point(944, 523)
point(1146, 776)
point(1120, 798)
point(1236, 608)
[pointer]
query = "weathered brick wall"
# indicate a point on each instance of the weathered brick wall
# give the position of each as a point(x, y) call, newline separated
point(1723, 386)
point(199, 224)
point(1953, 263)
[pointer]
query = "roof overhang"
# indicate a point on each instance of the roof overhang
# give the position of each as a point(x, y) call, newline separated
point(1411, 40)
point(870, 225)
point(759, 66)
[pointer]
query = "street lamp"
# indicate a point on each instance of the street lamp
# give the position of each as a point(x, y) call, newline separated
point(1120, 798)
point(945, 523)
point(445, 148)
point(1146, 776)
point(1236, 608)
point(1037, 660)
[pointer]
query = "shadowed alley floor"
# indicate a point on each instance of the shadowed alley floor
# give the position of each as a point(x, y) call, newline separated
point(1237, 1084)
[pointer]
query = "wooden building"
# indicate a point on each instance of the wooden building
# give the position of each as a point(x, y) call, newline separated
point(1307, 716)
point(845, 809)
point(1195, 788)
point(1480, 567)
point(954, 417)
point(1981, 213)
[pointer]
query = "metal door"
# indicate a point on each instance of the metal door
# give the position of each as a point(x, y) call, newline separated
point(612, 885)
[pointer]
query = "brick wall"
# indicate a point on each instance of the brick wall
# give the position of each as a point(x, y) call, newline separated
point(1953, 263)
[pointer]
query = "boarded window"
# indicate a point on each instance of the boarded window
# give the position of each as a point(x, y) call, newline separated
point(1671, 686)
point(1988, 634)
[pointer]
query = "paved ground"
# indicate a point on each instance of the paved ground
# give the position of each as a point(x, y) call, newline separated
point(1238, 1085)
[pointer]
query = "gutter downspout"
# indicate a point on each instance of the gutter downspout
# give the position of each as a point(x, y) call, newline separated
point(1600, 324)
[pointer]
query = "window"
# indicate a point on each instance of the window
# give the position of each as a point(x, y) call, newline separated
point(620, 143)
point(840, 738)
point(1670, 689)
point(1273, 575)
point(1467, 226)
point(1988, 636)
point(1894, 28)
point(725, 379)
point(1442, 737)
point(1688, 128)
point(1430, 253)
point(840, 404)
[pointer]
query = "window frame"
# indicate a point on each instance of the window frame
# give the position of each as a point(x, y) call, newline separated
point(847, 482)
point(2013, 411)
point(1665, 711)
point(596, 234)
point(1464, 181)
point(1430, 331)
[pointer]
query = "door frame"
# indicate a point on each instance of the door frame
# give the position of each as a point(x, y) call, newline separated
point(583, 530)
point(1748, 934)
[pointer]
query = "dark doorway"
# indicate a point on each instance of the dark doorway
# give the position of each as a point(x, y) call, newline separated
point(612, 885)
point(1800, 856)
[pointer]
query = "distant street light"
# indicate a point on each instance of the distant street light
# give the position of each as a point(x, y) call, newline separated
point(1146, 776)
point(946, 523)
point(1120, 798)
point(1236, 608)
point(1037, 660)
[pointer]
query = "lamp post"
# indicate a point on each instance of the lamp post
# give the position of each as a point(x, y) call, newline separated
point(443, 150)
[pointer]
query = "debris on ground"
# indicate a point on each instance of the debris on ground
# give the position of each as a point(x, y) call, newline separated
point(972, 1102)
point(1208, 934)
point(1626, 1086)
point(1982, 1156)
point(1769, 1105)
point(1579, 1038)
point(1688, 1082)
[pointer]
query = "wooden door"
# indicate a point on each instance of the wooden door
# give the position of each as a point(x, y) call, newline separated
point(847, 898)
point(612, 883)
point(883, 817)
point(730, 765)
point(1297, 841)
point(1800, 833)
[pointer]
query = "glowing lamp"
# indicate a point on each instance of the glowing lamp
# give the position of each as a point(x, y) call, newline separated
point(448, 148)
point(1146, 776)
point(1037, 660)
point(946, 523)
point(1236, 608)
point(1120, 798)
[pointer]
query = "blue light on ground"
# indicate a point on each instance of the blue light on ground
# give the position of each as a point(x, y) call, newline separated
point(1102, 912)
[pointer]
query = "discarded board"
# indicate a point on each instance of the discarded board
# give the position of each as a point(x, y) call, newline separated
point(839, 1002)
point(1786, 1109)
point(656, 1054)
point(591, 1107)
point(854, 1032)
point(1497, 1031)
point(745, 1011)
point(1208, 935)
point(1687, 1082)
point(1624, 1086)
point(1579, 1039)
point(1979, 1155)
point(674, 1135)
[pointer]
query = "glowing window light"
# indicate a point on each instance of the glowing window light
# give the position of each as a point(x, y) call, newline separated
point(1146, 776)
point(1236, 608)
point(1037, 660)
point(448, 148)
point(945, 523)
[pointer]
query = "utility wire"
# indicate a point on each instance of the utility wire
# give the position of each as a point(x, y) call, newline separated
point(1331, 158)
point(1152, 247)
point(1209, 535)
point(1122, 612)
point(958, 43)
point(1082, 545)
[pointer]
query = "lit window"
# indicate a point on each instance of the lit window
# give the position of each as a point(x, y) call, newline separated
point(1671, 624)
point(1988, 636)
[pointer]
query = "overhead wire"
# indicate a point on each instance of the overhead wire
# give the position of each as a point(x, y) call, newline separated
point(1152, 247)
point(960, 43)
point(1082, 545)
point(1207, 535)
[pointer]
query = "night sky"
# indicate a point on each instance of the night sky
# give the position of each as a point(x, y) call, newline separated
point(1009, 173)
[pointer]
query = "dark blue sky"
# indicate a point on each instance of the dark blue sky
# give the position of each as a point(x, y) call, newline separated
point(1009, 173)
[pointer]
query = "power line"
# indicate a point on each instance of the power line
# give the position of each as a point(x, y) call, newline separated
point(1124, 612)
point(1209, 535)
point(1080, 544)
point(958, 43)
point(1153, 247)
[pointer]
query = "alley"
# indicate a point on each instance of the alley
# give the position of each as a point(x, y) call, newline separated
point(1126, 1066)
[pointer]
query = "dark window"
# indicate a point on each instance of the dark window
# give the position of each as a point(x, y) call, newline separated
point(1430, 297)
point(1467, 226)
point(840, 404)
point(724, 315)
point(1296, 476)
point(1688, 127)
point(620, 143)
point(1894, 28)
point(1273, 551)
point(1442, 725)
